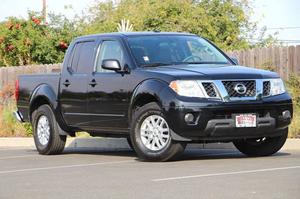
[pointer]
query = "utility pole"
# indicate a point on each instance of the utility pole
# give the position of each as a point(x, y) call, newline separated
point(44, 11)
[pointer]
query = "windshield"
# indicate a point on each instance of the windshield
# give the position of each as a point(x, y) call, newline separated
point(174, 49)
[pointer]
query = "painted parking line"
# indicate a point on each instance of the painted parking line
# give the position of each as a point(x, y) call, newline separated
point(64, 167)
point(225, 173)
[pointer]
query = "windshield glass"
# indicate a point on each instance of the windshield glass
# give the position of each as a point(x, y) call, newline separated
point(175, 49)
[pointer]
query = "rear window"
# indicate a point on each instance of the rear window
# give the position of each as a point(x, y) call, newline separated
point(82, 57)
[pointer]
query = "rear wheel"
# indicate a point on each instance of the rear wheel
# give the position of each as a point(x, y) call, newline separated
point(45, 132)
point(264, 146)
point(151, 135)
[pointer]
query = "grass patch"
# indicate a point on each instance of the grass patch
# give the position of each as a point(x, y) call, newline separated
point(9, 126)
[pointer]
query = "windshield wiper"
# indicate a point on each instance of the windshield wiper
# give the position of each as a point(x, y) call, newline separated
point(156, 64)
point(203, 62)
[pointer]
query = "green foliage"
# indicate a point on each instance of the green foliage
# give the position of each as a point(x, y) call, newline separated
point(34, 41)
point(294, 88)
point(9, 126)
point(224, 22)
point(293, 85)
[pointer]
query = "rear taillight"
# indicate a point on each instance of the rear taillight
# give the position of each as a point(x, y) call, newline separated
point(17, 91)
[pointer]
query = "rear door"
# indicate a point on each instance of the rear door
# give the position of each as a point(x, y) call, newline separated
point(74, 83)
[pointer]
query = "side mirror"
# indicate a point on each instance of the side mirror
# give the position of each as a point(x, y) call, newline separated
point(235, 60)
point(111, 64)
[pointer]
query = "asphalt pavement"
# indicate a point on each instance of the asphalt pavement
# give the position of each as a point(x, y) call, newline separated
point(116, 173)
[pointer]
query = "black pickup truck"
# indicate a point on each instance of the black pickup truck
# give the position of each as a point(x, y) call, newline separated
point(158, 90)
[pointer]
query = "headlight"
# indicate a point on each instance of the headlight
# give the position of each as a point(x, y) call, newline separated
point(277, 87)
point(188, 88)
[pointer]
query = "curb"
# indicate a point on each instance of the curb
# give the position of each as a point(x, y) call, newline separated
point(121, 143)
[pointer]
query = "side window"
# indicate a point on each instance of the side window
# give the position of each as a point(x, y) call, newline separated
point(74, 57)
point(82, 58)
point(109, 50)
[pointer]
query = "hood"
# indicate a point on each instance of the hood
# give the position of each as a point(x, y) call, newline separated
point(213, 72)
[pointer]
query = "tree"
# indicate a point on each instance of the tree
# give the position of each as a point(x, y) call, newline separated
point(225, 22)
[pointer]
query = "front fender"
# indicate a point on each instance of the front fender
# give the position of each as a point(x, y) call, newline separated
point(149, 87)
point(163, 95)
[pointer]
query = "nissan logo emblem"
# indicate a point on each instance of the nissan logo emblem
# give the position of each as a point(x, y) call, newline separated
point(240, 88)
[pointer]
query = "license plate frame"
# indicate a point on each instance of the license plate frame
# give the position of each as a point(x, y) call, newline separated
point(245, 120)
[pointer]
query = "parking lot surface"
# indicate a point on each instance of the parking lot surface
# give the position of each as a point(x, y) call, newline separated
point(199, 173)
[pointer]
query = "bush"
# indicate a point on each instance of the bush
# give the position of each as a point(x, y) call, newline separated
point(9, 126)
point(34, 41)
point(293, 85)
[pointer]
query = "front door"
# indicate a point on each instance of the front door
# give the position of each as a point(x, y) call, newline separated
point(109, 91)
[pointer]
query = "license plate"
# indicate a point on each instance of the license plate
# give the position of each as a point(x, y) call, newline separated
point(245, 120)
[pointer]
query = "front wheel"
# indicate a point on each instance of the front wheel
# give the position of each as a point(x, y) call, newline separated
point(151, 135)
point(264, 146)
point(46, 133)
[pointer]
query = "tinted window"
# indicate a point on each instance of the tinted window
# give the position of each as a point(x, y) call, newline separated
point(83, 57)
point(109, 50)
point(74, 57)
point(174, 49)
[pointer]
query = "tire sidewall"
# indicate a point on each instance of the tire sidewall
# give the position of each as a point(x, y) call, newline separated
point(44, 110)
point(139, 116)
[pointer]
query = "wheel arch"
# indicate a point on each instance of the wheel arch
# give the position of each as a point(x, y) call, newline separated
point(44, 94)
point(146, 92)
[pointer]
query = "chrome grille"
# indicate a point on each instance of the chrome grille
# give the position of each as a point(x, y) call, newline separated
point(249, 84)
point(209, 89)
point(266, 88)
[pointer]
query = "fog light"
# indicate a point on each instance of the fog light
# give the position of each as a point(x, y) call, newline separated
point(286, 114)
point(189, 118)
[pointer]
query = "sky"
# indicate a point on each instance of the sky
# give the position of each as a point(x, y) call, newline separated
point(282, 16)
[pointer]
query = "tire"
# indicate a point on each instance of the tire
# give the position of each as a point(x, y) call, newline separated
point(162, 147)
point(262, 146)
point(45, 132)
point(129, 143)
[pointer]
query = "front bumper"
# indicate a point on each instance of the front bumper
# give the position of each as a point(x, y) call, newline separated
point(216, 120)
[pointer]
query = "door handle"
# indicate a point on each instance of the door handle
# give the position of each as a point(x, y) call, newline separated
point(93, 83)
point(66, 83)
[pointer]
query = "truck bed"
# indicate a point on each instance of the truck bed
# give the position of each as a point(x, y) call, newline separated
point(29, 83)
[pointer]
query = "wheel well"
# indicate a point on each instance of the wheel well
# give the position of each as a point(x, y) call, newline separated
point(39, 101)
point(142, 100)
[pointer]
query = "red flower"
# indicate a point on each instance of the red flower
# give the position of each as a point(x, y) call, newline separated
point(36, 20)
point(9, 48)
point(17, 26)
point(62, 45)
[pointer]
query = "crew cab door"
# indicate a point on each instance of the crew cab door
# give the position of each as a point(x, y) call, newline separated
point(74, 83)
point(109, 91)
